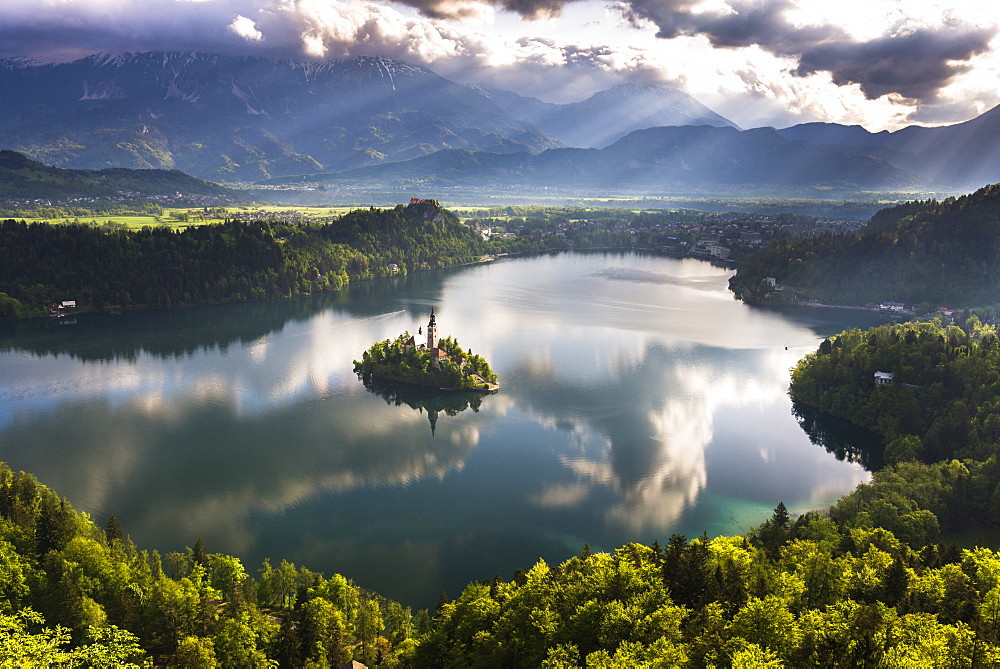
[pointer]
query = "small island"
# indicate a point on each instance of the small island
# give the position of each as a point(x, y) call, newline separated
point(437, 363)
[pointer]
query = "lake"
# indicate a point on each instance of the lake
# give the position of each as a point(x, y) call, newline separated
point(638, 399)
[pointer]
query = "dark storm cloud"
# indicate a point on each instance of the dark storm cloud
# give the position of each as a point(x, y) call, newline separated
point(915, 66)
point(461, 9)
point(914, 63)
point(44, 31)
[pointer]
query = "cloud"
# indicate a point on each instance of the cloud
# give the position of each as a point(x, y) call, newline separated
point(466, 9)
point(246, 29)
point(912, 61)
point(759, 60)
point(915, 64)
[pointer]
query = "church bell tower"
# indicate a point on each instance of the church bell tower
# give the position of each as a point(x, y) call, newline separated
point(432, 332)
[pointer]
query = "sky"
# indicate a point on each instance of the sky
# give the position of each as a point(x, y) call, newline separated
point(883, 64)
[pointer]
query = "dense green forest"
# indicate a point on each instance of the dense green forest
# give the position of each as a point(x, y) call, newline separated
point(231, 262)
point(809, 592)
point(945, 252)
point(109, 267)
point(73, 594)
point(819, 590)
point(942, 403)
point(24, 179)
point(411, 363)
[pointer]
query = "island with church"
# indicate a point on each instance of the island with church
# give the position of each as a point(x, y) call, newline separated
point(438, 363)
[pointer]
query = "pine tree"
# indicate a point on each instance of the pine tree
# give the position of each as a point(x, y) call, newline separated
point(198, 554)
point(113, 530)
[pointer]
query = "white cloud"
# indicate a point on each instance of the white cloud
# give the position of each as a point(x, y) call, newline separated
point(579, 47)
point(246, 28)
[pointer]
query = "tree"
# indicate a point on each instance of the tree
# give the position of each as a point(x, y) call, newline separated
point(195, 653)
point(768, 624)
point(113, 530)
point(198, 554)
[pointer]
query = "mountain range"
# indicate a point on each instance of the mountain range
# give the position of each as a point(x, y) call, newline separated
point(245, 119)
point(663, 157)
point(964, 155)
point(381, 121)
point(608, 115)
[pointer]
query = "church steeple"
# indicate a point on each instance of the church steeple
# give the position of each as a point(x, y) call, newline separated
point(432, 332)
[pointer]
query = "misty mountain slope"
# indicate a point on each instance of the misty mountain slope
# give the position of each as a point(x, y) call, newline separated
point(609, 115)
point(961, 155)
point(650, 159)
point(205, 114)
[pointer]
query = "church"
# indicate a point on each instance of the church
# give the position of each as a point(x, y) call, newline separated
point(433, 340)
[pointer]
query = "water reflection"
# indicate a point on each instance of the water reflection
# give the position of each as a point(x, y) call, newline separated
point(838, 436)
point(634, 433)
point(434, 402)
point(151, 463)
point(183, 332)
point(638, 399)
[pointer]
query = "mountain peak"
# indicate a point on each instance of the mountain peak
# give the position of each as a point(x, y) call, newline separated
point(639, 89)
point(247, 117)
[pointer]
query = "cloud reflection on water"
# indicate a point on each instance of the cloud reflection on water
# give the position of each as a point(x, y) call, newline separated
point(646, 430)
point(273, 438)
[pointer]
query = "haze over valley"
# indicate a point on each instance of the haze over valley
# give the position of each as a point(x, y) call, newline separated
point(386, 124)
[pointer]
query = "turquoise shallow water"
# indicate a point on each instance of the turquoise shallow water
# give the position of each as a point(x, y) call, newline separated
point(638, 399)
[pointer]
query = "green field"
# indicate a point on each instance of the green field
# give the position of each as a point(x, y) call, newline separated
point(185, 216)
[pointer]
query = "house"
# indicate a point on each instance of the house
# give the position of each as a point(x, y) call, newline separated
point(895, 307)
point(67, 304)
point(720, 252)
point(393, 267)
point(883, 378)
point(354, 664)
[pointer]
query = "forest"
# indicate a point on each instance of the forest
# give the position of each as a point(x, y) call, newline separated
point(74, 594)
point(107, 267)
point(24, 179)
point(113, 269)
point(939, 252)
point(943, 402)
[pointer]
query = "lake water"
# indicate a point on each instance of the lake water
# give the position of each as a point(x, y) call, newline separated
point(638, 399)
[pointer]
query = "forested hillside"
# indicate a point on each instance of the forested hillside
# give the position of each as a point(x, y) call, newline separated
point(944, 252)
point(803, 593)
point(24, 179)
point(72, 594)
point(943, 401)
point(231, 262)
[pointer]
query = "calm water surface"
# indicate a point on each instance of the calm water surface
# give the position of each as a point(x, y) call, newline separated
point(638, 399)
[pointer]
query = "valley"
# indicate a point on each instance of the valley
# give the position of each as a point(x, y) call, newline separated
point(198, 246)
